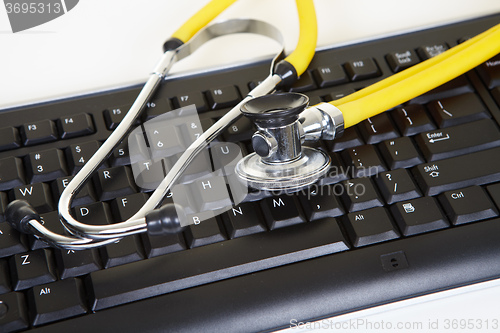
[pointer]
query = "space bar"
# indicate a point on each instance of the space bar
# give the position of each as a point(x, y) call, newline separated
point(180, 270)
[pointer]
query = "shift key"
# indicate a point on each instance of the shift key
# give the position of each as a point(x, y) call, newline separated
point(473, 169)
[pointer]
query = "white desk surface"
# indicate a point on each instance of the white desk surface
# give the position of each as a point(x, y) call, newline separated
point(113, 43)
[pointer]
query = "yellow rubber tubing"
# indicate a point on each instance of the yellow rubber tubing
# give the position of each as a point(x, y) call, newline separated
point(201, 19)
point(419, 79)
point(308, 36)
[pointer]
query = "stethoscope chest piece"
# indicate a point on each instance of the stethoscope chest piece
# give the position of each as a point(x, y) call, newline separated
point(279, 161)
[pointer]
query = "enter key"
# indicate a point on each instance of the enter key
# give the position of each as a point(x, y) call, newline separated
point(458, 140)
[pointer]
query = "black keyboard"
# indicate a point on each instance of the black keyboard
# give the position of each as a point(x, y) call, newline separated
point(426, 219)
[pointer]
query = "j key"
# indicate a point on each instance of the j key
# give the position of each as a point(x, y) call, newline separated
point(13, 314)
point(281, 211)
point(362, 69)
point(97, 213)
point(400, 153)
point(79, 154)
point(222, 97)
point(120, 155)
point(304, 83)
point(363, 160)
point(113, 116)
point(350, 138)
point(490, 72)
point(214, 262)
point(156, 108)
point(320, 202)
point(85, 196)
point(46, 165)
point(77, 125)
point(336, 173)
point(32, 268)
point(467, 205)
point(38, 195)
point(378, 128)
point(126, 250)
point(397, 185)
point(473, 169)
point(428, 51)
point(124, 207)
point(210, 193)
point(412, 119)
point(457, 110)
point(327, 76)
point(73, 263)
point(402, 60)
point(11, 173)
point(38, 132)
point(160, 245)
point(418, 216)
point(11, 241)
point(190, 98)
point(459, 140)
point(9, 138)
point(114, 182)
point(4, 277)
point(370, 226)
point(359, 194)
point(241, 130)
point(494, 191)
point(55, 301)
point(206, 232)
point(243, 220)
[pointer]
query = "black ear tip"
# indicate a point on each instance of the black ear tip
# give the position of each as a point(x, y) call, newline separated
point(165, 220)
point(18, 213)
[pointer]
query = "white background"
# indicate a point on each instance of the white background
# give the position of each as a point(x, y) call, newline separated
point(108, 44)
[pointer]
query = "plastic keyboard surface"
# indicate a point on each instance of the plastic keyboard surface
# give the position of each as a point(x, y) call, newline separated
point(409, 207)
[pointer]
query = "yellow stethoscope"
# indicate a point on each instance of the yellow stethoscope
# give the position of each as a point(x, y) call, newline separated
point(283, 121)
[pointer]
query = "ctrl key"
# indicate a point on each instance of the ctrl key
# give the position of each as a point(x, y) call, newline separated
point(13, 316)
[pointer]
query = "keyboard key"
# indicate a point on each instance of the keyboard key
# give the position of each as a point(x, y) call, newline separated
point(412, 119)
point(11, 173)
point(304, 83)
point(222, 97)
point(359, 194)
point(459, 140)
point(11, 241)
point(52, 222)
point(38, 196)
point(114, 115)
point(32, 268)
point(378, 128)
point(431, 50)
point(214, 262)
point(163, 138)
point(160, 245)
point(155, 108)
point(457, 110)
point(13, 313)
point(9, 138)
point(281, 211)
point(350, 138)
point(4, 277)
point(208, 231)
point(42, 131)
point(458, 86)
point(400, 153)
point(336, 173)
point(473, 169)
point(364, 161)
point(85, 195)
point(46, 165)
point(418, 216)
point(190, 98)
point(76, 125)
point(397, 185)
point(73, 263)
point(241, 130)
point(148, 174)
point(243, 220)
point(97, 213)
point(126, 250)
point(370, 226)
point(225, 156)
point(120, 155)
point(327, 76)
point(338, 93)
point(494, 191)
point(401, 60)
point(210, 193)
point(320, 202)
point(124, 207)
point(55, 301)
point(200, 167)
point(111, 183)
point(79, 154)
point(467, 205)
point(362, 69)
point(490, 72)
